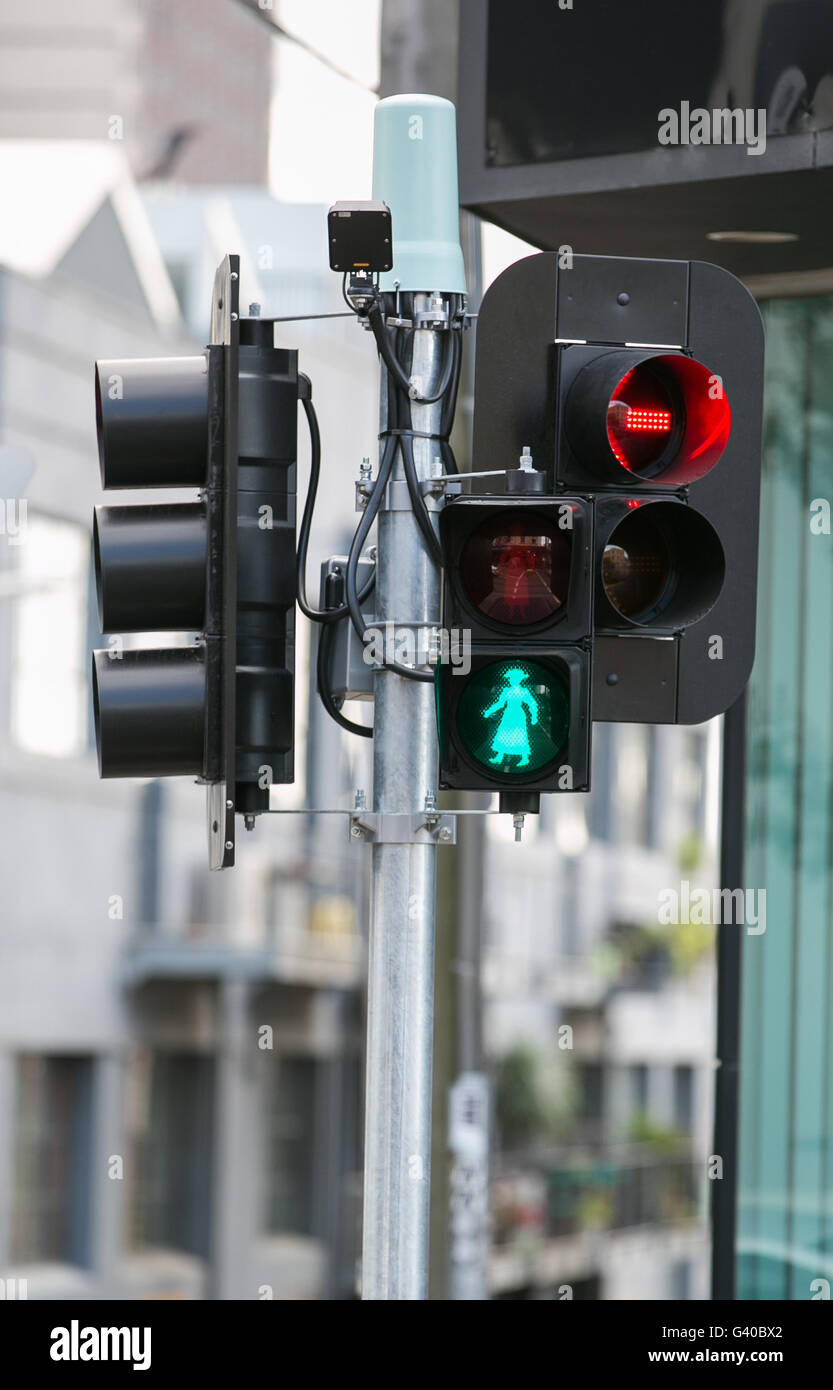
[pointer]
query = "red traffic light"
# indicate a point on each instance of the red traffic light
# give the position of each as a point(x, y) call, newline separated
point(515, 567)
point(640, 419)
point(659, 417)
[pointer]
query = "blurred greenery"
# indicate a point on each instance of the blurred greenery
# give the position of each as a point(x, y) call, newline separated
point(690, 853)
point(679, 946)
point(536, 1095)
point(663, 1140)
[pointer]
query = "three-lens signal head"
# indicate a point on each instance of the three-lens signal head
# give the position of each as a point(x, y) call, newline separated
point(637, 384)
point(152, 567)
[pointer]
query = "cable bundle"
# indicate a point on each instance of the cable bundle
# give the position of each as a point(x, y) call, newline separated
point(395, 348)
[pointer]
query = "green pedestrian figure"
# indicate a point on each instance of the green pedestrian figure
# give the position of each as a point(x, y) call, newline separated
point(520, 709)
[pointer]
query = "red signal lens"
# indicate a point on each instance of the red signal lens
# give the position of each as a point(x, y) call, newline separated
point(640, 417)
point(515, 568)
point(669, 418)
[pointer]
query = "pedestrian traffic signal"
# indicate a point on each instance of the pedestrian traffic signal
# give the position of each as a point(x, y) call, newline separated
point(514, 716)
point(638, 386)
point(217, 704)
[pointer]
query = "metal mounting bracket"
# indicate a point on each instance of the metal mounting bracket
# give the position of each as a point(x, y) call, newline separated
point(403, 828)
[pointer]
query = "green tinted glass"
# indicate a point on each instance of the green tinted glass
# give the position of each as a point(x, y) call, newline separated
point(514, 716)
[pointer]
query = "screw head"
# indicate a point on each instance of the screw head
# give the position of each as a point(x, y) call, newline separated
point(445, 833)
point(357, 832)
point(229, 844)
point(623, 299)
point(612, 678)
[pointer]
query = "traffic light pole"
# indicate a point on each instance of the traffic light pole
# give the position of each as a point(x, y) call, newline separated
point(403, 891)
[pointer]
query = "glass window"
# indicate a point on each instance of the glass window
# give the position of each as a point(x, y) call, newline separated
point(51, 1161)
point(785, 1214)
point(639, 1074)
point(599, 799)
point(632, 766)
point(50, 685)
point(171, 1113)
point(291, 1132)
point(689, 780)
point(684, 1097)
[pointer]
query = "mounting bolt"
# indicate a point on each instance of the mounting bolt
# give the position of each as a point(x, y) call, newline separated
point(518, 822)
point(249, 821)
point(360, 802)
point(254, 311)
point(445, 834)
point(229, 844)
point(356, 832)
point(229, 805)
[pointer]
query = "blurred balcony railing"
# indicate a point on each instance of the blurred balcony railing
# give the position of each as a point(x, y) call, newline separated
point(557, 1197)
point(314, 941)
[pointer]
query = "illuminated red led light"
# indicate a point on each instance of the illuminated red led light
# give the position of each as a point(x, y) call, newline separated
point(639, 419)
point(647, 419)
point(668, 418)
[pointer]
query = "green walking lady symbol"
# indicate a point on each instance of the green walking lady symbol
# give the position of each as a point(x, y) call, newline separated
point(519, 710)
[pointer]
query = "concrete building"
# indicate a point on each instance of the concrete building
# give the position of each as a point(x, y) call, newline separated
point(183, 89)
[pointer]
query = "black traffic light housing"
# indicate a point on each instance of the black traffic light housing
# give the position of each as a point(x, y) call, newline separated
point(269, 389)
point(219, 570)
point(514, 717)
point(638, 385)
point(492, 584)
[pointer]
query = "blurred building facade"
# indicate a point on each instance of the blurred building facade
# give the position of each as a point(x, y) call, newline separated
point(184, 89)
point(180, 1054)
point(599, 1020)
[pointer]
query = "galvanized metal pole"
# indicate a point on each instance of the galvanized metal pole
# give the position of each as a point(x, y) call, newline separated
point(403, 891)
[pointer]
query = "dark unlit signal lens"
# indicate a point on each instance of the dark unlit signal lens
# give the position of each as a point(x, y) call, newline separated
point(149, 710)
point(662, 566)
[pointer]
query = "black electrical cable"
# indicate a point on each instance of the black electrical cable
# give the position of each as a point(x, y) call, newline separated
point(400, 400)
point(380, 332)
point(421, 512)
point(328, 699)
point(325, 615)
point(403, 419)
point(450, 402)
point(362, 531)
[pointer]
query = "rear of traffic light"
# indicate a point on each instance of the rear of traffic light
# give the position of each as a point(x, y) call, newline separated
point(269, 389)
point(151, 705)
point(514, 715)
point(640, 384)
point(219, 570)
